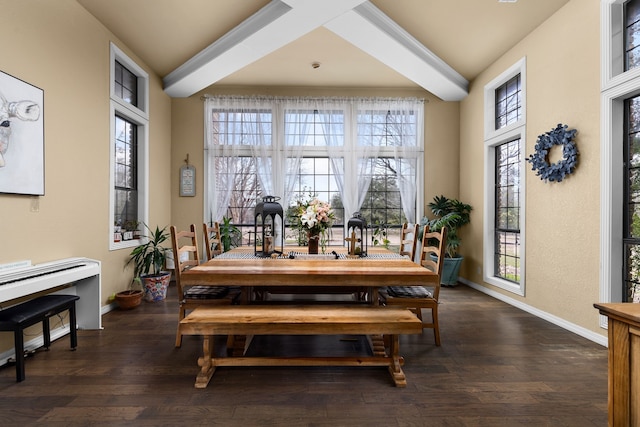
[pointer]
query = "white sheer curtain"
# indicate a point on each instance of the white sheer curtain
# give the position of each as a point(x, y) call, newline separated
point(220, 153)
point(276, 133)
point(405, 120)
point(297, 118)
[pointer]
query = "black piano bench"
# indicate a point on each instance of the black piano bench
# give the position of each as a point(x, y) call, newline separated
point(40, 309)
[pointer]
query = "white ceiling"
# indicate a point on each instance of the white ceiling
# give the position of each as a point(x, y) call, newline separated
point(433, 44)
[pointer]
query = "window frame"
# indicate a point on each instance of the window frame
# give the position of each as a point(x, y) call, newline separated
point(494, 138)
point(350, 151)
point(140, 117)
point(617, 86)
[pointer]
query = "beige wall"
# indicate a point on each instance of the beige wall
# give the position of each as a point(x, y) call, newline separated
point(562, 233)
point(59, 47)
point(441, 140)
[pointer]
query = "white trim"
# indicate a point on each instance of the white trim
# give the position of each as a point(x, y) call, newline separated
point(617, 85)
point(558, 321)
point(493, 138)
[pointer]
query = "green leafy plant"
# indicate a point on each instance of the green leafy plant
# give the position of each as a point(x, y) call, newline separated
point(379, 235)
point(229, 234)
point(449, 213)
point(149, 258)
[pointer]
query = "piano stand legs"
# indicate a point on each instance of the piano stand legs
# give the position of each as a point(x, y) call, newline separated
point(21, 316)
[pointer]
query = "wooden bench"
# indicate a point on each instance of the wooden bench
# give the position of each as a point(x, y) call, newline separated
point(19, 317)
point(301, 320)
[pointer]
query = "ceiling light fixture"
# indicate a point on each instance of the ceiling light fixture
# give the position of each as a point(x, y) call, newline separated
point(507, 1)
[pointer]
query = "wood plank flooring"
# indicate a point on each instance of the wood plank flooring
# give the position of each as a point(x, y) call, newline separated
point(497, 366)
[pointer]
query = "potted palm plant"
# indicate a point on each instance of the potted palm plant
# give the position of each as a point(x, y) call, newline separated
point(149, 260)
point(452, 214)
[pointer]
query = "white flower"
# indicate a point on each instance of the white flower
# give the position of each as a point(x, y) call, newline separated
point(309, 217)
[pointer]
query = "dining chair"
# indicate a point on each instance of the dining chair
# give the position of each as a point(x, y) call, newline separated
point(416, 298)
point(408, 240)
point(212, 241)
point(186, 255)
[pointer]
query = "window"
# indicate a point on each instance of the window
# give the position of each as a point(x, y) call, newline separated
point(357, 154)
point(631, 229)
point(126, 177)
point(508, 105)
point(505, 120)
point(632, 34)
point(125, 84)
point(619, 152)
point(129, 142)
point(507, 211)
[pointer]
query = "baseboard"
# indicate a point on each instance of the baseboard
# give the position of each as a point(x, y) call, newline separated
point(571, 327)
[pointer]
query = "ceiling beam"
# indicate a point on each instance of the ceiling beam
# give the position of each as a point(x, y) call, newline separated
point(281, 22)
point(272, 27)
point(373, 32)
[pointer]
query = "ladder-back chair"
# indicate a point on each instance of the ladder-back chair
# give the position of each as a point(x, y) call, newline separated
point(409, 240)
point(417, 298)
point(185, 256)
point(212, 241)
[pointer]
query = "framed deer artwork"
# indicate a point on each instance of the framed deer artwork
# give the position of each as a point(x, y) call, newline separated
point(21, 137)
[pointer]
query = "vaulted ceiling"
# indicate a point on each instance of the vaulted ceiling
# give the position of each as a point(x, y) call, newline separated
point(433, 44)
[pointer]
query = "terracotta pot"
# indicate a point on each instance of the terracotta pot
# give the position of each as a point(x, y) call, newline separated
point(129, 299)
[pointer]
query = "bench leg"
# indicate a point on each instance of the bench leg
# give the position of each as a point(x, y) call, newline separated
point(46, 333)
point(206, 363)
point(19, 348)
point(395, 362)
point(73, 330)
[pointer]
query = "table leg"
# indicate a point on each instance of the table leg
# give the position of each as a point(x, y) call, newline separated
point(395, 362)
point(206, 363)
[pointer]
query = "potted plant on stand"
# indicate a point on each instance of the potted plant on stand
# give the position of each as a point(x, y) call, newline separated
point(452, 214)
point(149, 260)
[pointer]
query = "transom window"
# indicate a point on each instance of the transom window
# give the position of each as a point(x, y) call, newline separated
point(508, 105)
point(125, 84)
point(632, 34)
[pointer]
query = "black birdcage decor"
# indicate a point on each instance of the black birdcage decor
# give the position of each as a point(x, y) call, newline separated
point(268, 220)
point(357, 235)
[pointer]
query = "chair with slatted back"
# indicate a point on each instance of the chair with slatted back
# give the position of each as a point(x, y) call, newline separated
point(408, 240)
point(417, 298)
point(186, 255)
point(212, 241)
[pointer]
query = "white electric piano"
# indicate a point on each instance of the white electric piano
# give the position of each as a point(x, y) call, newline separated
point(78, 276)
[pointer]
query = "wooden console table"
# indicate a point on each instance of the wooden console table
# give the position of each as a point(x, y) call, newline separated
point(624, 362)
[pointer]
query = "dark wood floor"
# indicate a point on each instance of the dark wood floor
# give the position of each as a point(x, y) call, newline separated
point(497, 366)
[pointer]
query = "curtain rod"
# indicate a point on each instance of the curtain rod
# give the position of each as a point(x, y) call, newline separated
point(315, 98)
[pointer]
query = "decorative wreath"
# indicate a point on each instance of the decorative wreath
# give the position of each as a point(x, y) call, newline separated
point(539, 160)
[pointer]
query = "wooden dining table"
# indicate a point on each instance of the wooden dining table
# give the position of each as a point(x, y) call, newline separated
point(240, 267)
point(296, 272)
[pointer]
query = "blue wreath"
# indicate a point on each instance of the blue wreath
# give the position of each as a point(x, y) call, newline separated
point(559, 170)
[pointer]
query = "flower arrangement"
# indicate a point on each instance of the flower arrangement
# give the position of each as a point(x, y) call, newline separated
point(315, 216)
